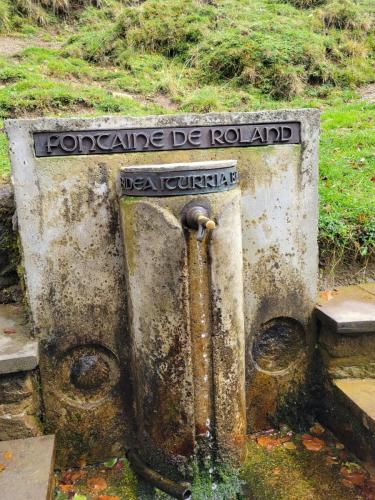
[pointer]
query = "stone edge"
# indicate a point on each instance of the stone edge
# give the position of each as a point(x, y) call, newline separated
point(347, 327)
point(19, 363)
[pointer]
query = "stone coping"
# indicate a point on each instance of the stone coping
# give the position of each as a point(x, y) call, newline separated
point(17, 351)
point(28, 472)
point(350, 310)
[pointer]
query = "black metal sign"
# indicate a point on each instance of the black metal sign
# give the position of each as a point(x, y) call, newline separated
point(177, 183)
point(90, 142)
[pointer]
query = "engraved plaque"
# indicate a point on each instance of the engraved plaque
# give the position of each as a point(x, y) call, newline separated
point(178, 182)
point(143, 140)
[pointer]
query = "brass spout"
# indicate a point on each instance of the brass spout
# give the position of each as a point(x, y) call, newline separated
point(198, 218)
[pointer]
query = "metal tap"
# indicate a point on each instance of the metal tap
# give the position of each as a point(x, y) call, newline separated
point(198, 218)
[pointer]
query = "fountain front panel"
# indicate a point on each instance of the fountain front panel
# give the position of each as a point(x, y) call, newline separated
point(81, 295)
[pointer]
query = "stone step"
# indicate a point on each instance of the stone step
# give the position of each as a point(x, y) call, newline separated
point(18, 352)
point(19, 394)
point(26, 467)
point(349, 310)
point(360, 398)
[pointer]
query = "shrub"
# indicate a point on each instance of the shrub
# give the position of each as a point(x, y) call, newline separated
point(4, 15)
point(172, 33)
point(305, 4)
point(343, 14)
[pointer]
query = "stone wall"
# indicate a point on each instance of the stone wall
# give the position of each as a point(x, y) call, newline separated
point(19, 406)
point(9, 255)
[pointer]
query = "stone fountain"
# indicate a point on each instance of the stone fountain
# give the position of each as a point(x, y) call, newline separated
point(170, 265)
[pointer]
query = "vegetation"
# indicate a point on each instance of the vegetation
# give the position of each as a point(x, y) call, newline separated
point(112, 56)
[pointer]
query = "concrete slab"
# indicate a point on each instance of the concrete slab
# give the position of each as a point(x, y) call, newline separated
point(349, 309)
point(361, 398)
point(17, 351)
point(28, 472)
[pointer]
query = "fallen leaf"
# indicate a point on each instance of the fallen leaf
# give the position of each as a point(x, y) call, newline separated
point(331, 460)
point(67, 488)
point(313, 444)
point(306, 437)
point(71, 476)
point(97, 483)
point(119, 465)
point(289, 445)
point(327, 294)
point(355, 477)
point(268, 442)
point(110, 463)
point(317, 429)
point(7, 455)
point(2, 467)
point(108, 497)
point(372, 179)
point(9, 331)
point(340, 446)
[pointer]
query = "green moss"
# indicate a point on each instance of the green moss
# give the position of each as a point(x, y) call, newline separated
point(282, 474)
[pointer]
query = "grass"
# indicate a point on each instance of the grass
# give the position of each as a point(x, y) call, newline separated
point(233, 55)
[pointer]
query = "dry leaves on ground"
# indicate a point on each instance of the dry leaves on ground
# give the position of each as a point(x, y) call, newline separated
point(312, 443)
point(67, 488)
point(355, 477)
point(2, 467)
point(97, 483)
point(71, 476)
point(7, 455)
point(108, 497)
point(269, 442)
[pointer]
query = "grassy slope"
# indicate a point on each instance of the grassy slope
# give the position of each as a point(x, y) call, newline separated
point(235, 55)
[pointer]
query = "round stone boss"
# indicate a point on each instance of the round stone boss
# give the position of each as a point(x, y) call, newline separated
point(178, 179)
point(278, 345)
point(87, 374)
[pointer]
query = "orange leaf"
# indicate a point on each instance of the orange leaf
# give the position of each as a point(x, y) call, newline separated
point(327, 294)
point(71, 476)
point(313, 444)
point(66, 488)
point(268, 441)
point(108, 497)
point(306, 437)
point(2, 467)
point(7, 455)
point(355, 477)
point(97, 483)
point(9, 331)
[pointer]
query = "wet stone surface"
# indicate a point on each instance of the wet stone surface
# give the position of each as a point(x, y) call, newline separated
point(279, 344)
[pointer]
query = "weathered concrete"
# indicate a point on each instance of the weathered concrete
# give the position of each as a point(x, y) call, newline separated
point(361, 397)
point(72, 254)
point(187, 325)
point(28, 469)
point(17, 351)
point(350, 310)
